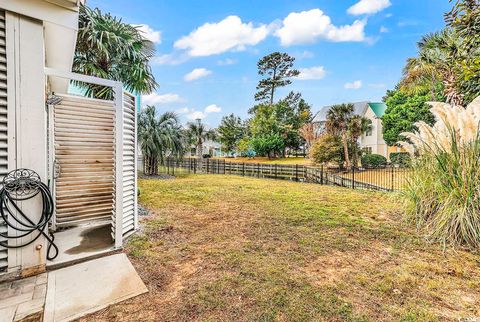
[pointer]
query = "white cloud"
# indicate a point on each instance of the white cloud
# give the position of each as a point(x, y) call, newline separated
point(317, 72)
point(213, 108)
point(309, 26)
point(193, 115)
point(183, 110)
point(226, 35)
point(226, 61)
point(384, 29)
point(154, 36)
point(354, 85)
point(197, 73)
point(155, 98)
point(169, 59)
point(304, 54)
point(368, 7)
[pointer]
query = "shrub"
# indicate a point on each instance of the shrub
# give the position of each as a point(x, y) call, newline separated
point(443, 193)
point(206, 156)
point(268, 145)
point(327, 148)
point(373, 161)
point(402, 159)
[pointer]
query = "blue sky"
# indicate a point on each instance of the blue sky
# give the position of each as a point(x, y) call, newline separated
point(347, 50)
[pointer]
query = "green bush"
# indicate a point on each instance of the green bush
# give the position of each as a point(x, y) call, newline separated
point(402, 159)
point(373, 161)
point(328, 148)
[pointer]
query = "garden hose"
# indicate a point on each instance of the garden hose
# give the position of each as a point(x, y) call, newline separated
point(21, 185)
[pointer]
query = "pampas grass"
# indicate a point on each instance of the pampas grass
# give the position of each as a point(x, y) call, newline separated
point(443, 192)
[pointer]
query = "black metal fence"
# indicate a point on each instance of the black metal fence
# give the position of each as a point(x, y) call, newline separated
point(389, 178)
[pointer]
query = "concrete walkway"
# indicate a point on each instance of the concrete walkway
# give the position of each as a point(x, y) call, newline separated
point(23, 298)
point(71, 292)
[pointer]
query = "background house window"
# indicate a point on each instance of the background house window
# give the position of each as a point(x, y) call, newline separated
point(368, 133)
point(367, 150)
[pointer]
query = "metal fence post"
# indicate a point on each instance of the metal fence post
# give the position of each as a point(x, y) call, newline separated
point(275, 170)
point(173, 168)
point(258, 170)
point(243, 169)
point(296, 172)
point(321, 175)
point(393, 179)
point(353, 177)
point(207, 166)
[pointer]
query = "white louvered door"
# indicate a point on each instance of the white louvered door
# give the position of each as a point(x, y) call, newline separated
point(129, 165)
point(3, 129)
point(84, 139)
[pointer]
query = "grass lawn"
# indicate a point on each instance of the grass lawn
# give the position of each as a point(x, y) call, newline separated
point(227, 248)
point(381, 177)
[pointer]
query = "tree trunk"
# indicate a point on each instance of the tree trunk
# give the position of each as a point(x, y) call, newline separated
point(345, 150)
point(273, 86)
point(200, 156)
point(148, 165)
point(453, 97)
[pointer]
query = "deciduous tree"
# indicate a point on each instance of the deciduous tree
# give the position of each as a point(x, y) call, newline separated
point(230, 131)
point(403, 111)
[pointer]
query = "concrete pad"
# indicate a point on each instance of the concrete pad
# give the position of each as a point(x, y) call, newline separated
point(7, 314)
point(90, 286)
point(81, 242)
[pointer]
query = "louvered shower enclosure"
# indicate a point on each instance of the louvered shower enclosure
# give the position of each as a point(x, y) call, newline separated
point(93, 158)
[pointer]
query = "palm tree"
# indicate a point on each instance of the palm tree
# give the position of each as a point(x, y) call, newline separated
point(160, 137)
point(357, 126)
point(338, 118)
point(109, 48)
point(439, 61)
point(198, 134)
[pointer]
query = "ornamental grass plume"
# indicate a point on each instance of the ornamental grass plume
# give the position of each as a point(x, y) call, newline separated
point(443, 192)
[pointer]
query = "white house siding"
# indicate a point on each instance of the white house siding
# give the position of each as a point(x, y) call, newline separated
point(37, 33)
point(27, 118)
point(374, 141)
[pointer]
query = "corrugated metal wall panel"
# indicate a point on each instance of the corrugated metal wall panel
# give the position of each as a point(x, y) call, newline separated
point(129, 164)
point(84, 150)
point(3, 129)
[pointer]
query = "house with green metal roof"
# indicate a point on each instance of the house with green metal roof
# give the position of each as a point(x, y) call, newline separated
point(372, 141)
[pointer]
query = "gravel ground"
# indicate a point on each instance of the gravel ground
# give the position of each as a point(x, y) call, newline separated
point(142, 211)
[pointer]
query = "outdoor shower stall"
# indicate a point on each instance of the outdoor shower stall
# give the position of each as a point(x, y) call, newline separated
point(92, 168)
point(90, 171)
point(82, 149)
